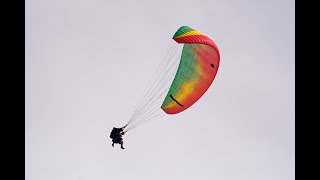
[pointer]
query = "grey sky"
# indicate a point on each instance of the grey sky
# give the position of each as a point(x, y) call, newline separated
point(88, 61)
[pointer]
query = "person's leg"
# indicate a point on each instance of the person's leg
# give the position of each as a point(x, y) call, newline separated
point(122, 145)
point(113, 141)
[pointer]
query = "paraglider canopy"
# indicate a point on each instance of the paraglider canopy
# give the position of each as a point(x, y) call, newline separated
point(198, 67)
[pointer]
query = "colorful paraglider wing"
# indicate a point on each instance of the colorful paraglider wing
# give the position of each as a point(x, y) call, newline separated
point(198, 67)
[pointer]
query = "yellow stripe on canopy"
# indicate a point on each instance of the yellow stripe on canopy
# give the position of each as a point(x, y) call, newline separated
point(190, 33)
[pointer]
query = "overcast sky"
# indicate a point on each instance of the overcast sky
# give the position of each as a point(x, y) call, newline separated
point(88, 62)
